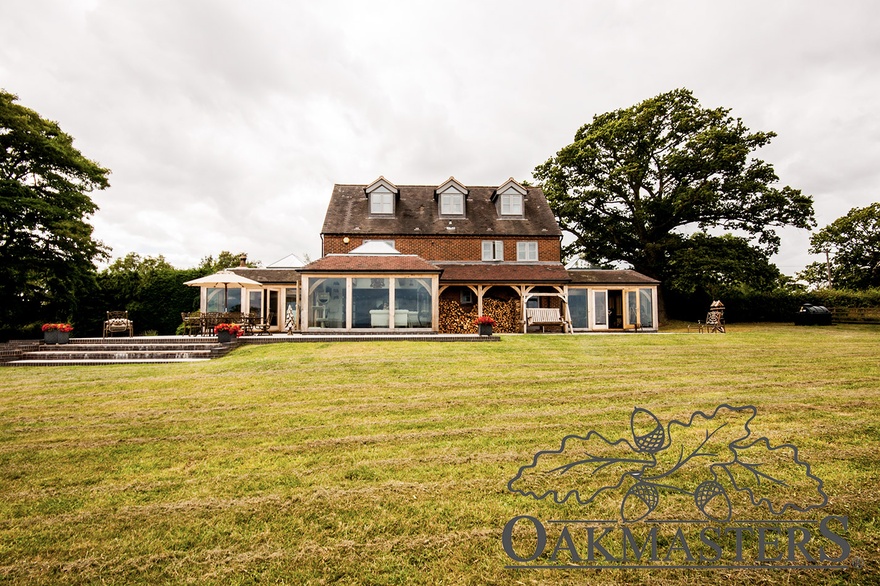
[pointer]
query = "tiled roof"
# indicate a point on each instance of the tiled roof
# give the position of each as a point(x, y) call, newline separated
point(267, 275)
point(503, 272)
point(609, 277)
point(390, 263)
point(417, 213)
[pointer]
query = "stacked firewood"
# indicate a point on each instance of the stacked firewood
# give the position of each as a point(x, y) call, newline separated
point(456, 319)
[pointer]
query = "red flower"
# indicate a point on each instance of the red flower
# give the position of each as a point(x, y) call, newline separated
point(484, 319)
point(233, 329)
point(60, 327)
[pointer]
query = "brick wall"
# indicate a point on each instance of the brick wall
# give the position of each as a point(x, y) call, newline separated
point(448, 247)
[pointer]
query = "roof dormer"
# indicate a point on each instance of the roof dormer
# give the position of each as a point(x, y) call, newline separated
point(451, 198)
point(510, 199)
point(383, 196)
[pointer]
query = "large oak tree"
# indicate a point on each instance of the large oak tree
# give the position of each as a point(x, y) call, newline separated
point(637, 183)
point(46, 245)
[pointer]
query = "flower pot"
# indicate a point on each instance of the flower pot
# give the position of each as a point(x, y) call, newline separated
point(485, 329)
point(63, 337)
point(51, 336)
point(224, 337)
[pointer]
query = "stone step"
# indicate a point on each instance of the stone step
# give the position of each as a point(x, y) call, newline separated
point(124, 347)
point(118, 354)
point(147, 340)
point(98, 362)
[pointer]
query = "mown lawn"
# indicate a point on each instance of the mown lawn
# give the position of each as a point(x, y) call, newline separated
point(388, 462)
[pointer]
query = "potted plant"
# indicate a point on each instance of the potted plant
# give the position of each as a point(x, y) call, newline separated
point(57, 333)
point(225, 332)
point(484, 324)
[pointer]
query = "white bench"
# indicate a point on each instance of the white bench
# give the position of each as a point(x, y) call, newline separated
point(544, 316)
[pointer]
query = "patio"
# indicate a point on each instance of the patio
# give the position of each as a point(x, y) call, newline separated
point(202, 323)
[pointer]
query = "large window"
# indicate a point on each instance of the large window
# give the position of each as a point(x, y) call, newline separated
point(578, 307)
point(412, 303)
point(255, 300)
point(222, 300)
point(369, 303)
point(511, 204)
point(632, 307)
point(646, 307)
point(374, 302)
point(290, 317)
point(381, 202)
point(493, 250)
point(451, 204)
point(526, 251)
point(327, 305)
point(600, 304)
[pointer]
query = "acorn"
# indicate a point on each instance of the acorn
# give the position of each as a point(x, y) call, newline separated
point(652, 441)
point(712, 500)
point(639, 501)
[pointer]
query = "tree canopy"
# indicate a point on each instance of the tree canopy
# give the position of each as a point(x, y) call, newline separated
point(225, 260)
point(853, 241)
point(46, 245)
point(636, 181)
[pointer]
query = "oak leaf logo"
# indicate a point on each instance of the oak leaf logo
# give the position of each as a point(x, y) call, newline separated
point(705, 457)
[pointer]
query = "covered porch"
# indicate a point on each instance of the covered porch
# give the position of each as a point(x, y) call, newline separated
point(274, 302)
point(510, 293)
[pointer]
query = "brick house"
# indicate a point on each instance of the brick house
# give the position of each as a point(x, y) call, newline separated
point(433, 258)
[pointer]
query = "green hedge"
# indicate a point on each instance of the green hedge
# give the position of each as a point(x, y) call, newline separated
point(774, 306)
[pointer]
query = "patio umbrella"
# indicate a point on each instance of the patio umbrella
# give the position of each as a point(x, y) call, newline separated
point(224, 279)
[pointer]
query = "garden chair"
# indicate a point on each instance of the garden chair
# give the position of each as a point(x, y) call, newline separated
point(117, 322)
point(192, 323)
point(262, 327)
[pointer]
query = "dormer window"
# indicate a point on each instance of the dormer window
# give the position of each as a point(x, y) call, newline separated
point(451, 204)
point(509, 199)
point(511, 204)
point(451, 198)
point(381, 202)
point(382, 194)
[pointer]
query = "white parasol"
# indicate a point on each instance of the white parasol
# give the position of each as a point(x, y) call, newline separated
point(224, 279)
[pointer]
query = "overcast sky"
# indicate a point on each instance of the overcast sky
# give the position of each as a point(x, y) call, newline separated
point(226, 122)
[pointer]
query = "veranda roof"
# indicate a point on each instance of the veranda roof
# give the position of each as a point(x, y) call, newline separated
point(609, 277)
point(354, 263)
point(503, 272)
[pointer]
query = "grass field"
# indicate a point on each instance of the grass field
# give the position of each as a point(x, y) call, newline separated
point(388, 462)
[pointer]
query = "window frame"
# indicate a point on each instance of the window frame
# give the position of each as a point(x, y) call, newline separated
point(523, 249)
point(495, 248)
point(507, 201)
point(383, 200)
point(451, 197)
